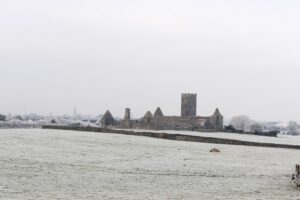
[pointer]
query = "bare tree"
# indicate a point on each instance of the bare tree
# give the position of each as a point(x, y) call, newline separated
point(256, 127)
point(19, 117)
point(2, 117)
point(240, 122)
point(292, 128)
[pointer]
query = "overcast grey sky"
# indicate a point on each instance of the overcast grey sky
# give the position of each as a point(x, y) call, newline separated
point(241, 56)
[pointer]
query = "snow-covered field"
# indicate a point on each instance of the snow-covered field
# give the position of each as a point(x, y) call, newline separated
point(53, 164)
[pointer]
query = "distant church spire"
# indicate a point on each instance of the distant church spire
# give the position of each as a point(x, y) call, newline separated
point(75, 113)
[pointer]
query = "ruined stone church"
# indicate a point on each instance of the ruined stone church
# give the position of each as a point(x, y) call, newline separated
point(158, 121)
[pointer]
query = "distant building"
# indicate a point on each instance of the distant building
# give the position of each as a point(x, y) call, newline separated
point(157, 121)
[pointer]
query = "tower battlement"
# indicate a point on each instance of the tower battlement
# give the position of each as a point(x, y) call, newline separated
point(187, 95)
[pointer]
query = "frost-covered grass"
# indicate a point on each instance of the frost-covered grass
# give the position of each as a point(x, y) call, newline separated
point(55, 164)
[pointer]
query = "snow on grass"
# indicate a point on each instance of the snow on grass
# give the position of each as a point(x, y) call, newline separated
point(58, 164)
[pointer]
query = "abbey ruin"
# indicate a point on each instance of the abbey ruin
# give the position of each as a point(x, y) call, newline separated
point(158, 121)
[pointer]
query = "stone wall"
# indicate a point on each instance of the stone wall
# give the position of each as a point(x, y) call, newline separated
point(168, 136)
point(178, 123)
point(108, 119)
point(216, 120)
point(168, 123)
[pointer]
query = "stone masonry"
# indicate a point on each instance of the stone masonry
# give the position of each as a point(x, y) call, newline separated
point(188, 105)
point(157, 121)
